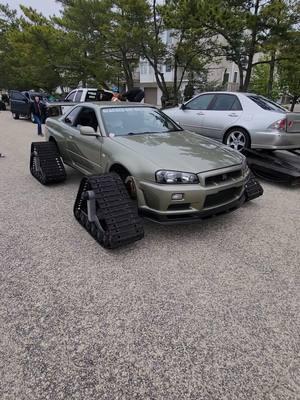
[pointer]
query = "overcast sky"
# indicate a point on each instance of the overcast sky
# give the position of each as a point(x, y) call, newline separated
point(47, 7)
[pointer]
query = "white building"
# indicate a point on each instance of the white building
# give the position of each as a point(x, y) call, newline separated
point(222, 73)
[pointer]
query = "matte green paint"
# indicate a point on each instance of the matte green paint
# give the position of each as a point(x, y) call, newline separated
point(143, 155)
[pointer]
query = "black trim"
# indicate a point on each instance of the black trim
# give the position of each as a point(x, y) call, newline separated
point(282, 166)
point(192, 217)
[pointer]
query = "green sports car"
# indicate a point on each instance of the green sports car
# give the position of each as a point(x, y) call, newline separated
point(174, 175)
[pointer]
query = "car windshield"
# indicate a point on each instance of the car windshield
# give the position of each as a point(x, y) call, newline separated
point(266, 104)
point(123, 121)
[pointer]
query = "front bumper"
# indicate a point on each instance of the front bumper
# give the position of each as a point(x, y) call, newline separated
point(275, 140)
point(156, 204)
point(170, 219)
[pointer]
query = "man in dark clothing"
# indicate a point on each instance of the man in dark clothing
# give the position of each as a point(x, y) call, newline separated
point(38, 111)
point(134, 95)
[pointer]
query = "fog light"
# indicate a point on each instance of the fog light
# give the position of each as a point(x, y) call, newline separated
point(177, 196)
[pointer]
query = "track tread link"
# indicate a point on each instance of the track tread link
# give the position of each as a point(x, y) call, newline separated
point(120, 221)
point(45, 163)
point(253, 188)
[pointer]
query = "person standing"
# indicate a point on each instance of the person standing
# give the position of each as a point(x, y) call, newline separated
point(38, 111)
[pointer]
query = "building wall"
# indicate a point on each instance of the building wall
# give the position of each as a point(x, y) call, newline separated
point(221, 71)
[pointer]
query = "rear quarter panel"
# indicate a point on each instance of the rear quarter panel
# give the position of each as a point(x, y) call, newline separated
point(256, 118)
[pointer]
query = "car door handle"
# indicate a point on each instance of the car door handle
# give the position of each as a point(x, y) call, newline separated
point(200, 113)
point(232, 115)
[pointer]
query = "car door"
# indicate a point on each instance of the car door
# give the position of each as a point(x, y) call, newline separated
point(191, 114)
point(19, 103)
point(224, 111)
point(84, 151)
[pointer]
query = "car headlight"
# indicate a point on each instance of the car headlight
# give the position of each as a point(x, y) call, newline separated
point(164, 176)
point(245, 168)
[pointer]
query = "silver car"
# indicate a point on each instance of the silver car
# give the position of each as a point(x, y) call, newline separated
point(240, 120)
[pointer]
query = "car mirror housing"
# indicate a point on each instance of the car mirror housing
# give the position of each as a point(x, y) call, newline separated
point(183, 106)
point(88, 131)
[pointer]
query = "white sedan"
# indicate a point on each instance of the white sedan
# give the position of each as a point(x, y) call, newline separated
point(240, 120)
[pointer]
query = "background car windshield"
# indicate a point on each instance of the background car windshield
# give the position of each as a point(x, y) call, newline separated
point(122, 121)
point(267, 104)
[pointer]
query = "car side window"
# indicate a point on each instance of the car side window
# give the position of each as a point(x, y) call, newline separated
point(226, 102)
point(87, 117)
point(78, 96)
point(91, 95)
point(200, 103)
point(71, 96)
point(71, 117)
point(17, 96)
point(236, 106)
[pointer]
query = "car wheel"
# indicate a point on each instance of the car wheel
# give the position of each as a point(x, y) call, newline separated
point(46, 164)
point(131, 187)
point(238, 139)
point(15, 116)
point(114, 219)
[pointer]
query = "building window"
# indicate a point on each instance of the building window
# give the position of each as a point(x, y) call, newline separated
point(235, 77)
point(144, 67)
point(168, 37)
point(168, 67)
point(225, 78)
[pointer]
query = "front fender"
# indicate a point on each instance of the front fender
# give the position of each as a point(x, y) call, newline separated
point(139, 167)
point(53, 132)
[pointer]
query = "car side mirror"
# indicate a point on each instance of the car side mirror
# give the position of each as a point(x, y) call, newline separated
point(183, 106)
point(88, 131)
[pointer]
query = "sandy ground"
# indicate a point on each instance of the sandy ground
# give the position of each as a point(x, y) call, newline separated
point(206, 311)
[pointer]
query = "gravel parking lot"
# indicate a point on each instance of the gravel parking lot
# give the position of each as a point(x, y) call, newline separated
point(204, 311)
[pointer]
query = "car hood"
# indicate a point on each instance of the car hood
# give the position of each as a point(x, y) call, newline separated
point(183, 151)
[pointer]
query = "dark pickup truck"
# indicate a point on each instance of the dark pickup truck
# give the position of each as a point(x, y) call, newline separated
point(20, 103)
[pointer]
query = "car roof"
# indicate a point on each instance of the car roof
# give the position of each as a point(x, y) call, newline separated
point(105, 104)
point(35, 93)
point(225, 92)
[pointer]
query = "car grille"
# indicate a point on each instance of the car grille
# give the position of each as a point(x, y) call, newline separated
point(224, 196)
point(222, 178)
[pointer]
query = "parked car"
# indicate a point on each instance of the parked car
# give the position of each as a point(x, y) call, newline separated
point(174, 175)
point(20, 103)
point(240, 120)
point(81, 95)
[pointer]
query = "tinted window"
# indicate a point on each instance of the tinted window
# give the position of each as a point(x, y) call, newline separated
point(87, 117)
point(226, 102)
point(78, 96)
point(71, 96)
point(266, 104)
point(122, 121)
point(236, 105)
point(17, 96)
point(91, 95)
point(71, 117)
point(200, 103)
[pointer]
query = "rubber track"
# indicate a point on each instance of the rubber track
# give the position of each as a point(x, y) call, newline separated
point(115, 210)
point(46, 164)
point(253, 188)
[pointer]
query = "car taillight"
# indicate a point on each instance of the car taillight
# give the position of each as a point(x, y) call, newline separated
point(280, 125)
